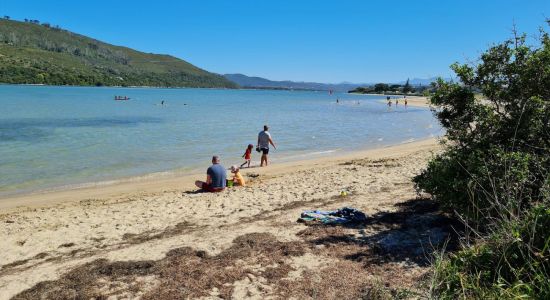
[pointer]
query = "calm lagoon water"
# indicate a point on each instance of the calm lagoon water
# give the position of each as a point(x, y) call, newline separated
point(59, 136)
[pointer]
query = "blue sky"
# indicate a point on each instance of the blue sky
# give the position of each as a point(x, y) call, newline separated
point(323, 41)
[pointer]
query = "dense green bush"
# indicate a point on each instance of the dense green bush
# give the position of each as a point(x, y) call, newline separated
point(497, 147)
point(494, 173)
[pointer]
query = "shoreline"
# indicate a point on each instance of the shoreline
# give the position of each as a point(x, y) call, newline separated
point(416, 101)
point(115, 86)
point(174, 179)
point(164, 87)
point(195, 170)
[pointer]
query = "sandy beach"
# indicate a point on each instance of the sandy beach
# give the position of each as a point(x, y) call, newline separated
point(418, 101)
point(161, 239)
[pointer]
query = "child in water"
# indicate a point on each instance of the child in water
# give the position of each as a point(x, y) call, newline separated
point(247, 155)
point(238, 179)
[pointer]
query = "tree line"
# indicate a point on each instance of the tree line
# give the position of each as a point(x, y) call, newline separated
point(394, 89)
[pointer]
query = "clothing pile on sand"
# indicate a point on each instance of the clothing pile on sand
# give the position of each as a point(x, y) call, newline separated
point(333, 217)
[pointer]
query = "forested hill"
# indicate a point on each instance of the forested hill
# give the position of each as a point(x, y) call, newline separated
point(35, 53)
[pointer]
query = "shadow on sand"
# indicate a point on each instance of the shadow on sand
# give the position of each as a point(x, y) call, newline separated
point(411, 234)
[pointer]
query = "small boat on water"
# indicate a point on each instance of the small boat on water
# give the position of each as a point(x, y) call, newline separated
point(121, 98)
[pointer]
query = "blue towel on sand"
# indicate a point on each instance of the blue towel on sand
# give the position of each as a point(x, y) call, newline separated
point(340, 216)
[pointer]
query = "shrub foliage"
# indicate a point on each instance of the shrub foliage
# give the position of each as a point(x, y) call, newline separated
point(496, 147)
point(494, 171)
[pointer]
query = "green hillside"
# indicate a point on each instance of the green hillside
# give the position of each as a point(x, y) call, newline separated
point(41, 54)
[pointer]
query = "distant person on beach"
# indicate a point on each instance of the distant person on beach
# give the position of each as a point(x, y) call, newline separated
point(238, 179)
point(264, 139)
point(396, 101)
point(406, 102)
point(337, 100)
point(247, 155)
point(389, 103)
point(215, 177)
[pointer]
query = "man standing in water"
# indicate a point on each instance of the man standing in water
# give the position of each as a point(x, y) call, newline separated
point(264, 139)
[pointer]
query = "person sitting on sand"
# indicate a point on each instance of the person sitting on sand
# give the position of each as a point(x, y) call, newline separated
point(215, 177)
point(238, 179)
point(247, 155)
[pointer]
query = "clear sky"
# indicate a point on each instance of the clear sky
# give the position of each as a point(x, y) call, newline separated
point(323, 41)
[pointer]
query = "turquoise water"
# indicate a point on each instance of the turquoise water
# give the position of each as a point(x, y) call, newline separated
point(59, 136)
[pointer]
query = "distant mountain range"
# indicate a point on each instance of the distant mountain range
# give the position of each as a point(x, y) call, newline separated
point(263, 83)
point(39, 53)
point(259, 82)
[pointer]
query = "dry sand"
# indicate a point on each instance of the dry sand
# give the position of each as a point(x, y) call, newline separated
point(417, 101)
point(242, 243)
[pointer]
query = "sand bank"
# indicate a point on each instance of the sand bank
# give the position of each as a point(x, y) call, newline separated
point(417, 101)
point(137, 227)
